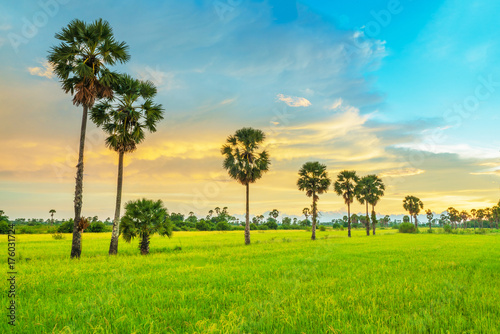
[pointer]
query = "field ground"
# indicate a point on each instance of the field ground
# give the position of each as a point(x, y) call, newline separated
point(282, 283)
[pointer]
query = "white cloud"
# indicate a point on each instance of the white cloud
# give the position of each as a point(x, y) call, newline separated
point(5, 27)
point(45, 71)
point(336, 104)
point(294, 101)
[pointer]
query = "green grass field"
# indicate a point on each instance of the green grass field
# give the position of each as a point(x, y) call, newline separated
point(282, 283)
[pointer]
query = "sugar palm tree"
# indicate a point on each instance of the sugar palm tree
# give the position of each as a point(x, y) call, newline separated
point(345, 186)
point(480, 215)
point(81, 62)
point(244, 163)
point(413, 205)
point(473, 213)
point(52, 211)
point(464, 216)
point(306, 212)
point(377, 190)
point(142, 219)
point(363, 192)
point(125, 118)
point(314, 180)
point(430, 215)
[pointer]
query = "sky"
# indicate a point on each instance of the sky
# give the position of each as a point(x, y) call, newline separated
point(408, 90)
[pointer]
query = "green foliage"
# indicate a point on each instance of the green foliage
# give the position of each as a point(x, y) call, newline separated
point(447, 228)
point(407, 228)
point(253, 227)
point(58, 236)
point(262, 227)
point(202, 225)
point(96, 227)
point(272, 224)
point(222, 226)
point(322, 228)
point(4, 227)
point(66, 227)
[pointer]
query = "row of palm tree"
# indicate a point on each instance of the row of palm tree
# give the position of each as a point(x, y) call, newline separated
point(246, 164)
point(125, 110)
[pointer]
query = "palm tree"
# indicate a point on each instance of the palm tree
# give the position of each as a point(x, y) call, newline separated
point(464, 215)
point(125, 118)
point(52, 211)
point(480, 215)
point(144, 218)
point(454, 216)
point(306, 212)
point(244, 163)
point(314, 180)
point(274, 214)
point(345, 186)
point(80, 61)
point(377, 190)
point(430, 215)
point(473, 213)
point(413, 205)
point(362, 192)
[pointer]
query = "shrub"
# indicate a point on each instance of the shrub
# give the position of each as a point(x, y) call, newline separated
point(202, 225)
point(96, 227)
point(336, 225)
point(222, 226)
point(395, 227)
point(407, 228)
point(4, 227)
point(57, 236)
point(263, 227)
point(238, 228)
point(253, 227)
point(322, 228)
point(447, 228)
point(66, 227)
point(272, 225)
point(480, 231)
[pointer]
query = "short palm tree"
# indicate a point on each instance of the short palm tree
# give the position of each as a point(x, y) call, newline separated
point(244, 163)
point(480, 215)
point(413, 205)
point(52, 211)
point(345, 186)
point(81, 62)
point(143, 218)
point(314, 180)
point(464, 216)
point(125, 118)
point(430, 215)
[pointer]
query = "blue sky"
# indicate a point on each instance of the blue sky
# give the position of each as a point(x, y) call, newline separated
point(406, 89)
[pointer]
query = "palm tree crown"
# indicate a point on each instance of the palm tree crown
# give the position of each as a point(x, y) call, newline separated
point(413, 205)
point(345, 185)
point(82, 57)
point(242, 161)
point(125, 116)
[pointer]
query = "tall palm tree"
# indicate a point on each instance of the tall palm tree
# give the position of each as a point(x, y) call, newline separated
point(81, 62)
point(413, 205)
point(363, 192)
point(144, 218)
point(480, 215)
point(454, 216)
point(52, 211)
point(377, 190)
point(473, 213)
point(345, 186)
point(314, 180)
point(125, 118)
point(244, 163)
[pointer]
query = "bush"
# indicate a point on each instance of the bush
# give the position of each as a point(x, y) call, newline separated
point(447, 228)
point(253, 227)
point(57, 236)
point(202, 225)
point(263, 227)
point(96, 227)
point(66, 227)
point(395, 227)
point(272, 225)
point(322, 228)
point(480, 231)
point(4, 227)
point(407, 228)
point(238, 228)
point(222, 226)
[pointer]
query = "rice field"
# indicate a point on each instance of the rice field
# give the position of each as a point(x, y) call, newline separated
point(210, 282)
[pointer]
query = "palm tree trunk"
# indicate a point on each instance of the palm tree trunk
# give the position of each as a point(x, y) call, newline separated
point(373, 222)
point(313, 237)
point(367, 221)
point(144, 246)
point(76, 247)
point(113, 247)
point(348, 220)
point(247, 218)
point(416, 222)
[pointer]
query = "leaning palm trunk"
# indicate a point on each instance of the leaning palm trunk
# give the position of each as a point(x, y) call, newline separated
point(144, 245)
point(367, 221)
point(113, 247)
point(247, 218)
point(76, 247)
point(416, 222)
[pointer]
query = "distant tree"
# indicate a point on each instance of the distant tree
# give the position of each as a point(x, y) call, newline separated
point(362, 192)
point(430, 215)
point(80, 61)
point(286, 221)
point(413, 205)
point(453, 216)
point(314, 180)
point(473, 213)
point(275, 213)
point(496, 214)
point(345, 186)
point(294, 221)
point(244, 163)
point(480, 215)
point(387, 219)
point(464, 216)
point(52, 211)
point(143, 218)
point(306, 212)
point(406, 219)
point(488, 215)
